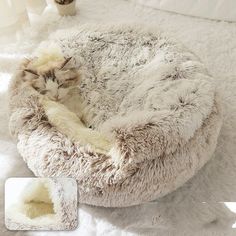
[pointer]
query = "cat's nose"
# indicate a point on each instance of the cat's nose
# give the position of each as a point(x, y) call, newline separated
point(57, 97)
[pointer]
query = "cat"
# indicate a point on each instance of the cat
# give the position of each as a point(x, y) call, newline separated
point(54, 80)
point(69, 124)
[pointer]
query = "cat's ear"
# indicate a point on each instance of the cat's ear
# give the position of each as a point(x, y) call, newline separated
point(65, 62)
point(31, 72)
point(24, 64)
point(30, 76)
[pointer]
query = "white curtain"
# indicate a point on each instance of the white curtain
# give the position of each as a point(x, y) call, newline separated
point(15, 13)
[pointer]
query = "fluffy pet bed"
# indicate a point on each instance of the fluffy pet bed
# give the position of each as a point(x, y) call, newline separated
point(45, 204)
point(151, 97)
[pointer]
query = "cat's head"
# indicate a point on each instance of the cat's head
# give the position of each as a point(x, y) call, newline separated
point(53, 80)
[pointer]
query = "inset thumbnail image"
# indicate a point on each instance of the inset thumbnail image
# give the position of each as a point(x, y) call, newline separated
point(41, 204)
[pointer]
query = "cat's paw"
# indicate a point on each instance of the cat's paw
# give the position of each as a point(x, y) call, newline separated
point(58, 113)
point(97, 140)
point(69, 124)
point(102, 143)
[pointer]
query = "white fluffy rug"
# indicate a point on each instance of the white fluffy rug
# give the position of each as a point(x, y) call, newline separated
point(215, 44)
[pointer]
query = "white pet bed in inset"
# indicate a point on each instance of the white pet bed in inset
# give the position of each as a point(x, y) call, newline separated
point(44, 204)
point(147, 93)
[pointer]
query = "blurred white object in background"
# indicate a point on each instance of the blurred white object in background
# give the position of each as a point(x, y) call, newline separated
point(19, 8)
point(232, 207)
point(16, 14)
point(36, 6)
point(7, 13)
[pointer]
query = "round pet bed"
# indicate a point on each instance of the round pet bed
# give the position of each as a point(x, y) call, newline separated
point(144, 91)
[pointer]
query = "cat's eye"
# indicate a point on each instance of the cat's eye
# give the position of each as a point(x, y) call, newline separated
point(43, 92)
point(35, 87)
point(70, 79)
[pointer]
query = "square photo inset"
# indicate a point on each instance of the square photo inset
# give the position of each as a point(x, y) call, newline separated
point(41, 204)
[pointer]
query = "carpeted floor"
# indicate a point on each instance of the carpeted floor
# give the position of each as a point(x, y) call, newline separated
point(214, 42)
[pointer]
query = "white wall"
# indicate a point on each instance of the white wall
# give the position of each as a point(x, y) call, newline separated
point(212, 9)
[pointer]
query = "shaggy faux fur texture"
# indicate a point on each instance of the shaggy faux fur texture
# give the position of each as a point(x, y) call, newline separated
point(180, 212)
point(144, 90)
point(45, 204)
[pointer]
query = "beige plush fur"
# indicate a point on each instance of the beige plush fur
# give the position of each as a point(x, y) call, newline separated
point(147, 94)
